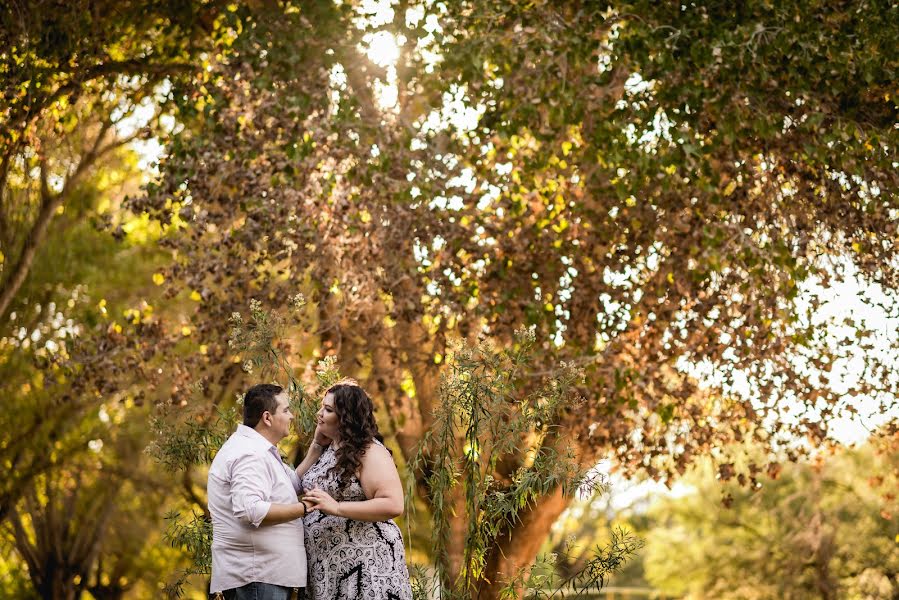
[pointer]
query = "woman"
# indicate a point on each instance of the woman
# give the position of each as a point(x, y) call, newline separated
point(352, 492)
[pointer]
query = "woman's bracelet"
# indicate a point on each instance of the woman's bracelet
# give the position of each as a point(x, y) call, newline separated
point(315, 444)
point(305, 508)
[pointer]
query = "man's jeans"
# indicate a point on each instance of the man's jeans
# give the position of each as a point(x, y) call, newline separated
point(258, 591)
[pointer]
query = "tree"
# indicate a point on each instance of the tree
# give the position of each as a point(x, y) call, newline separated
point(73, 79)
point(650, 187)
point(487, 404)
point(820, 530)
point(71, 370)
point(81, 83)
point(85, 525)
point(89, 61)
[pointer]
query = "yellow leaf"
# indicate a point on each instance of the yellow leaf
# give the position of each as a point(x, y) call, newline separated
point(204, 349)
point(195, 296)
point(158, 278)
point(185, 331)
point(730, 188)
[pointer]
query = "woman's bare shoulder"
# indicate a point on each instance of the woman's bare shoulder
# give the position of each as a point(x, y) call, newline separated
point(376, 452)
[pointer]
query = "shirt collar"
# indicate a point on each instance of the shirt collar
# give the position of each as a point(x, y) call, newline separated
point(249, 432)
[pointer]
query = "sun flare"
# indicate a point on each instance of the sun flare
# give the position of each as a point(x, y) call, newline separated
point(383, 49)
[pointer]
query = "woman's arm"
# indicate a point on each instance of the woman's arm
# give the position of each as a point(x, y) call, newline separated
point(381, 484)
point(314, 452)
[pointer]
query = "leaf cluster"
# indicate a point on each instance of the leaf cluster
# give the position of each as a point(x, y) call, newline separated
point(487, 422)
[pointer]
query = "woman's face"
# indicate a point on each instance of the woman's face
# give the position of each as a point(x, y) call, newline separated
point(328, 423)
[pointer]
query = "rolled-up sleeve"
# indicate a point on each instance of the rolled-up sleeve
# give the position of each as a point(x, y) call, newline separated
point(251, 484)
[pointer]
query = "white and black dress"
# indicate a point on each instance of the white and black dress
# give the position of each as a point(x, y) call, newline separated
point(351, 560)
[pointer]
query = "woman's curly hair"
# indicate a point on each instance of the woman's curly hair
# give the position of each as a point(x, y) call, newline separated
point(357, 429)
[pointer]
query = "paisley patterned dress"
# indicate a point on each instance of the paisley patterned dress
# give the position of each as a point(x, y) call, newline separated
point(351, 560)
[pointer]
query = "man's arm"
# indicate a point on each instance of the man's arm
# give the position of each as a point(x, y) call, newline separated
point(251, 483)
point(282, 513)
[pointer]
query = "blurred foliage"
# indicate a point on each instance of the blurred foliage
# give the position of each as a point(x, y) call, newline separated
point(546, 581)
point(824, 529)
point(82, 83)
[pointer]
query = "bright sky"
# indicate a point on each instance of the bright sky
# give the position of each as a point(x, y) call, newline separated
point(861, 302)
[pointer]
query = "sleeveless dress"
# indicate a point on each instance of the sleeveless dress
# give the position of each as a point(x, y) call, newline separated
point(351, 560)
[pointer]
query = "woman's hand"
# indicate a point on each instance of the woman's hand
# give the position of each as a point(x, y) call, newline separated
point(320, 500)
point(320, 438)
point(316, 449)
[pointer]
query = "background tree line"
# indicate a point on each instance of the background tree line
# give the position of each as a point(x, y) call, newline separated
point(821, 529)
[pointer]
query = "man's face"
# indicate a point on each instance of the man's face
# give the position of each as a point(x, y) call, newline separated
point(282, 417)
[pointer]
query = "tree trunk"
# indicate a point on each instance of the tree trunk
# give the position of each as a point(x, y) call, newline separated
point(420, 349)
point(518, 549)
point(29, 251)
point(58, 585)
point(50, 202)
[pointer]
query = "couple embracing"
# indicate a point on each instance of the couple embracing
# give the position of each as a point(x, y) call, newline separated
point(325, 527)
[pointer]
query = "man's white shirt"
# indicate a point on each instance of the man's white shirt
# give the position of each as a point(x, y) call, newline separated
point(245, 479)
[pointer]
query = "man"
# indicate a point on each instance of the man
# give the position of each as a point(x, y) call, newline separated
point(257, 525)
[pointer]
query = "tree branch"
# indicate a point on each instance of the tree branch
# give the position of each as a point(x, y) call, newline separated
point(75, 84)
point(50, 203)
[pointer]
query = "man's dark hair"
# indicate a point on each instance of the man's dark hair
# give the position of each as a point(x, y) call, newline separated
point(257, 400)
